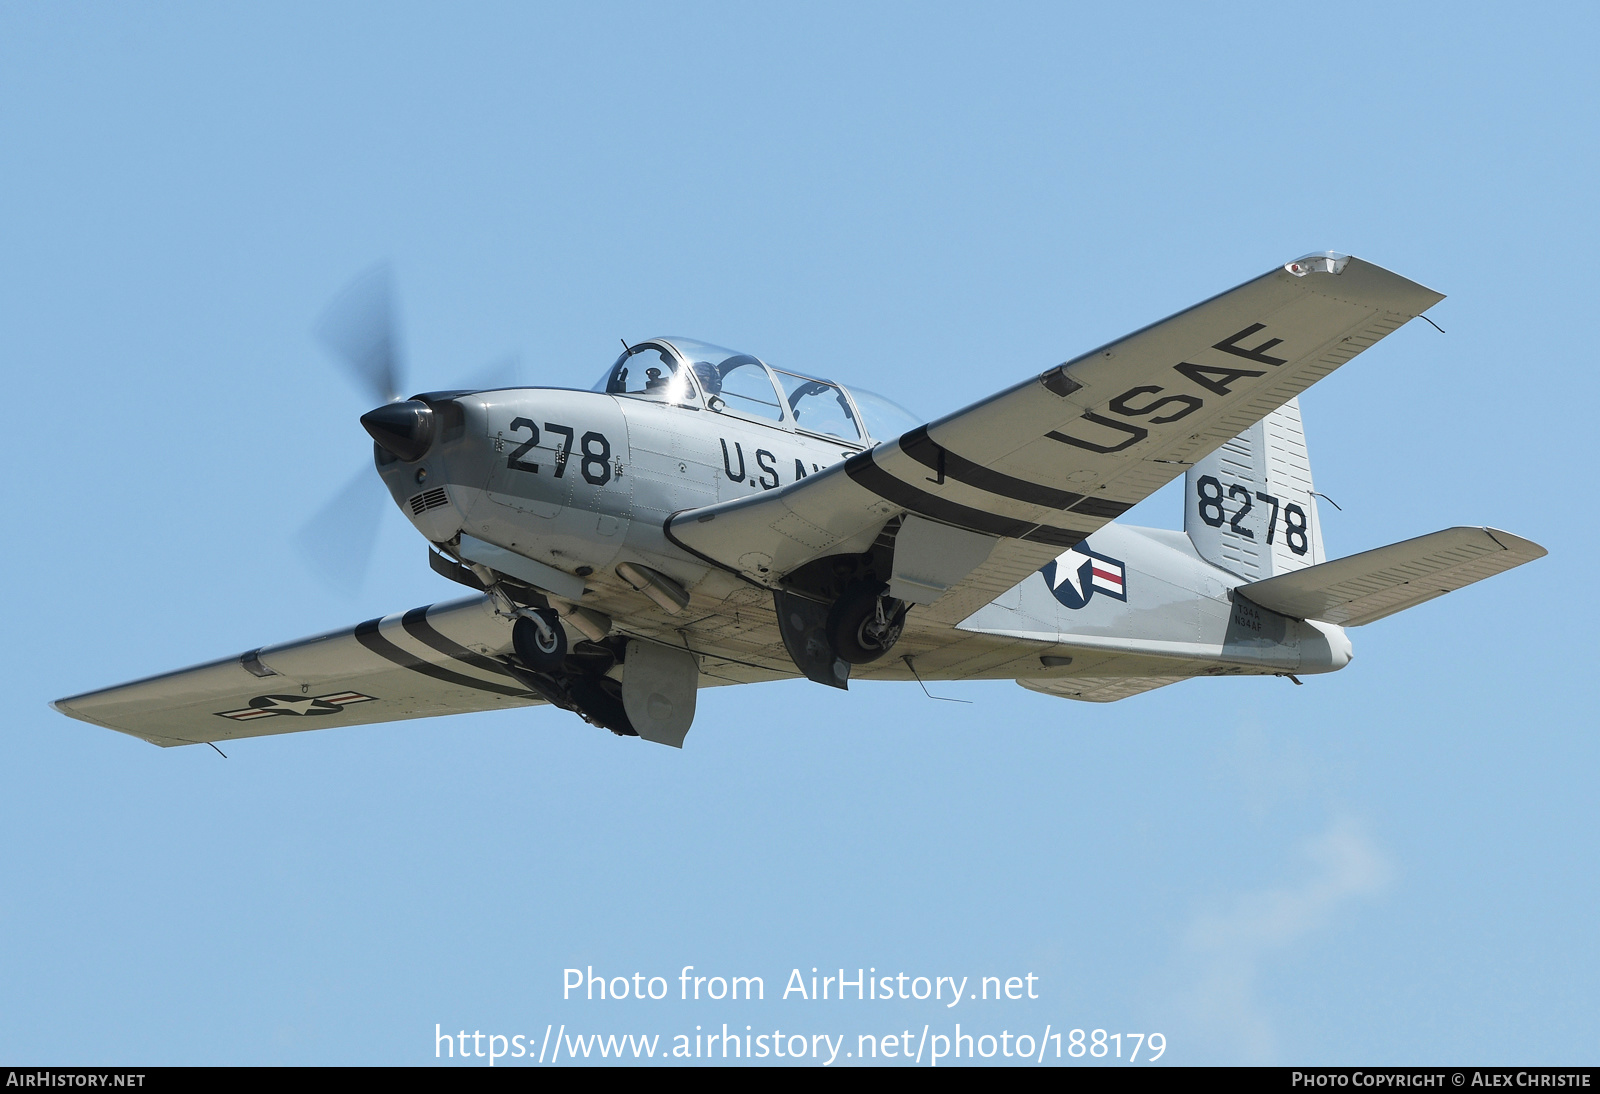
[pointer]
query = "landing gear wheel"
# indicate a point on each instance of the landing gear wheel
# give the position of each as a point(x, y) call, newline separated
point(540, 649)
point(865, 623)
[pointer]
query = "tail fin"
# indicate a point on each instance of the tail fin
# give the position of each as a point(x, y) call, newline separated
point(1249, 505)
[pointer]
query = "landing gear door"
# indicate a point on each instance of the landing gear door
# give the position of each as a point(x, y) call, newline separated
point(658, 691)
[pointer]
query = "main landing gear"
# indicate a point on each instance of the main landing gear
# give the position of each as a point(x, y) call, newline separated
point(574, 679)
point(836, 612)
point(865, 622)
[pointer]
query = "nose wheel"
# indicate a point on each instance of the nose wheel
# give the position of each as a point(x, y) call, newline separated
point(866, 622)
point(540, 642)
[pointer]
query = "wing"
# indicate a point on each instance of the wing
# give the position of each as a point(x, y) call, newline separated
point(1008, 483)
point(1105, 676)
point(441, 659)
point(1367, 587)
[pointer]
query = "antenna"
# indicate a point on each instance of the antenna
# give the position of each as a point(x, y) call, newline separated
point(925, 691)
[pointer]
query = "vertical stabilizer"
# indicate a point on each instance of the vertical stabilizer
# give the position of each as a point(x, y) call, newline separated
point(1249, 505)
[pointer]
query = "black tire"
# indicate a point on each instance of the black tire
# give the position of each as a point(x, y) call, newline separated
point(852, 624)
point(535, 652)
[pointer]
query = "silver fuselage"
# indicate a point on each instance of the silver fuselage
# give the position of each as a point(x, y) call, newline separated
point(595, 488)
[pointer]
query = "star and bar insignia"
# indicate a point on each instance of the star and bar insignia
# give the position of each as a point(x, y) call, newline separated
point(1078, 574)
point(298, 706)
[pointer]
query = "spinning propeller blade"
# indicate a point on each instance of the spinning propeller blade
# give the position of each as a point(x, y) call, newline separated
point(360, 328)
point(339, 539)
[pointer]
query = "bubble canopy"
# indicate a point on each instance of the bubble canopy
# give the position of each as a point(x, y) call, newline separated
point(688, 372)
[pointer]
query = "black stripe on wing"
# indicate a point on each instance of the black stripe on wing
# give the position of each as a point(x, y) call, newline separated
point(868, 474)
point(931, 454)
point(367, 634)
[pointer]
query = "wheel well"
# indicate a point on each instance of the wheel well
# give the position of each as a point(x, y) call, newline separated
point(825, 579)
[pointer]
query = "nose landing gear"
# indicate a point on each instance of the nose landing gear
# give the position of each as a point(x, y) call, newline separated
point(540, 642)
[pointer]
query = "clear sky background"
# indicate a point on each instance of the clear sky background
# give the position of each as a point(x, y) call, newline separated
point(1396, 863)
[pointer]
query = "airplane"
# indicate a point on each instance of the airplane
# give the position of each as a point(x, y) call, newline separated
point(702, 518)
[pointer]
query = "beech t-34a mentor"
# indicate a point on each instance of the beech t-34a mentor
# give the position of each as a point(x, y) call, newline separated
point(701, 518)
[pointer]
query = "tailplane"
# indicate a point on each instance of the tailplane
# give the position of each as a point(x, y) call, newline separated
point(1366, 587)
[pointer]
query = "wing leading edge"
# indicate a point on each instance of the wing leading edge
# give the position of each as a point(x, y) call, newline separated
point(440, 659)
point(1043, 464)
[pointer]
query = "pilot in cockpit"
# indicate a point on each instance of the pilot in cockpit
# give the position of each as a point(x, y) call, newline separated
point(710, 378)
point(658, 377)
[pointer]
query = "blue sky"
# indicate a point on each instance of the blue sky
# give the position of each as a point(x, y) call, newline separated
point(1391, 864)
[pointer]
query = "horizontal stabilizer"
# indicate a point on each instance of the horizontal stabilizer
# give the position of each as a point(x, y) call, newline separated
point(1366, 587)
point(1099, 689)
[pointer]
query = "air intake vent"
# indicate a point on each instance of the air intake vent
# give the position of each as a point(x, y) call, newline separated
point(428, 499)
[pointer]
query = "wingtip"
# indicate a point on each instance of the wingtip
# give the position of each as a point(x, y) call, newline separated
point(1517, 544)
point(1335, 274)
point(60, 707)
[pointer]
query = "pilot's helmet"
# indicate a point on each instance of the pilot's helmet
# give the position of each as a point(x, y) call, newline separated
point(710, 378)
